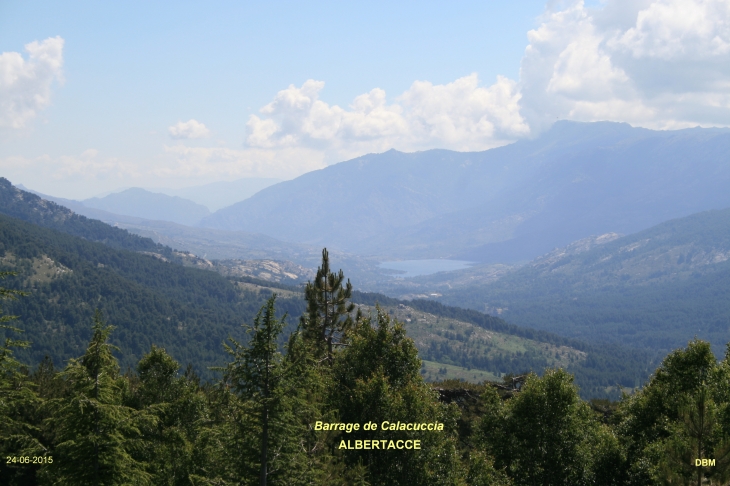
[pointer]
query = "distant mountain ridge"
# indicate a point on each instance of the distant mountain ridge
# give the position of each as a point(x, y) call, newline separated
point(508, 204)
point(214, 244)
point(190, 311)
point(141, 203)
point(218, 195)
point(30, 207)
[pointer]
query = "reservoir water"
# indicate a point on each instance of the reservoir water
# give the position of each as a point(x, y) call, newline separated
point(414, 268)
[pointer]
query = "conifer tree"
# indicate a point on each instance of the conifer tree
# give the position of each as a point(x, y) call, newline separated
point(97, 435)
point(178, 405)
point(262, 380)
point(17, 395)
point(680, 416)
point(377, 378)
point(329, 309)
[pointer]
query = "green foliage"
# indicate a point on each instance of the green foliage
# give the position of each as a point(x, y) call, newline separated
point(677, 418)
point(547, 435)
point(31, 208)
point(481, 471)
point(257, 432)
point(18, 397)
point(258, 375)
point(187, 311)
point(178, 406)
point(328, 309)
point(376, 378)
point(96, 435)
point(606, 365)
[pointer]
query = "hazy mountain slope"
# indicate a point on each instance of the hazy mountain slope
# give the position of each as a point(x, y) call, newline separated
point(218, 195)
point(207, 243)
point(219, 244)
point(31, 208)
point(383, 194)
point(351, 200)
point(656, 288)
point(506, 204)
point(188, 311)
point(191, 312)
point(148, 205)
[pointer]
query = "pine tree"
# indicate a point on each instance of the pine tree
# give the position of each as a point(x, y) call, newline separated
point(262, 379)
point(18, 397)
point(178, 405)
point(97, 436)
point(329, 309)
point(377, 378)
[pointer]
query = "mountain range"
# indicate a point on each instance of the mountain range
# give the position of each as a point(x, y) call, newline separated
point(70, 265)
point(218, 195)
point(507, 204)
point(140, 203)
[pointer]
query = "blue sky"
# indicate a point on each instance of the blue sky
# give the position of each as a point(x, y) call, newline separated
point(117, 94)
point(221, 61)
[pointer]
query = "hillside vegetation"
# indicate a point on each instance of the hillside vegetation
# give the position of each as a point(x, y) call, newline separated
point(191, 311)
point(345, 403)
point(31, 208)
point(656, 288)
point(188, 311)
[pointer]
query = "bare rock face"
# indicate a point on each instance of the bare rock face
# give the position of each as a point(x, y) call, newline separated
point(272, 270)
point(191, 260)
point(575, 248)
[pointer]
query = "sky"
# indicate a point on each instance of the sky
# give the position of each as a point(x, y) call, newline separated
point(96, 96)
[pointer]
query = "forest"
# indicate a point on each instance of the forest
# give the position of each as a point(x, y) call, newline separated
point(92, 422)
point(190, 311)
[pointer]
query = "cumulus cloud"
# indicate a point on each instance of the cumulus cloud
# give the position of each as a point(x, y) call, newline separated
point(658, 64)
point(655, 63)
point(461, 115)
point(25, 84)
point(188, 130)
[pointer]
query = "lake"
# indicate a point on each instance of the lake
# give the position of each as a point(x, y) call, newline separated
point(414, 268)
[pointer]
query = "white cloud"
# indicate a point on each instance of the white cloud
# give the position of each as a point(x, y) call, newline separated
point(658, 64)
point(188, 130)
point(89, 165)
point(680, 29)
point(461, 115)
point(25, 85)
point(655, 63)
point(91, 172)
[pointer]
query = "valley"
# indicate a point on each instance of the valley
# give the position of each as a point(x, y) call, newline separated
point(645, 286)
